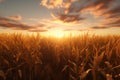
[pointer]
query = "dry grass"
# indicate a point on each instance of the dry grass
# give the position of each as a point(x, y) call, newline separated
point(24, 57)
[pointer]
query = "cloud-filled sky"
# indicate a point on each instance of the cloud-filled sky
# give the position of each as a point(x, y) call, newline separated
point(65, 15)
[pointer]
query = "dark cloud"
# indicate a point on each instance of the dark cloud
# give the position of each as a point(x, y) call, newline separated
point(76, 29)
point(115, 23)
point(13, 24)
point(101, 4)
point(69, 17)
point(16, 25)
point(115, 10)
point(44, 30)
point(5, 19)
point(99, 27)
point(41, 25)
point(94, 5)
point(113, 13)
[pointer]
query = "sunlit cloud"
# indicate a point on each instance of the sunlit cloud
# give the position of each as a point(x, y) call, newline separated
point(56, 3)
point(65, 4)
point(16, 17)
point(51, 3)
point(46, 23)
point(113, 23)
point(69, 11)
point(110, 22)
point(8, 23)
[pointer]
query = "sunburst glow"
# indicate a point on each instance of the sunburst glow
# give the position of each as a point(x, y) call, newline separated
point(57, 33)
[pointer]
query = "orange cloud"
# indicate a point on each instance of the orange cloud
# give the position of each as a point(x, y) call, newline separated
point(52, 3)
point(71, 10)
point(56, 3)
point(113, 22)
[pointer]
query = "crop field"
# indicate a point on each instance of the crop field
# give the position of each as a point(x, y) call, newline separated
point(84, 57)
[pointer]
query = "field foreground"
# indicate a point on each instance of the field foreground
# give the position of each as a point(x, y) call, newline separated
point(33, 57)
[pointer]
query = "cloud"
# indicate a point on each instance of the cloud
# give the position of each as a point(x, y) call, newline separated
point(113, 23)
point(112, 17)
point(56, 3)
point(81, 30)
point(99, 27)
point(41, 25)
point(44, 30)
point(16, 25)
point(16, 17)
point(62, 5)
point(99, 4)
point(51, 3)
point(69, 17)
point(13, 24)
point(72, 10)
point(94, 7)
point(113, 13)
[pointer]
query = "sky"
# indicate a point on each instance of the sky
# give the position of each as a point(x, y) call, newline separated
point(52, 16)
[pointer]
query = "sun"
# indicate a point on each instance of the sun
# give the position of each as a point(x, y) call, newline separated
point(56, 33)
point(59, 34)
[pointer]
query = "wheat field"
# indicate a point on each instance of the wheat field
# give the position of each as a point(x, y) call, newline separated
point(84, 57)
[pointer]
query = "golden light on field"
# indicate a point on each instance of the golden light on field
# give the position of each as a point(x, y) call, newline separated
point(62, 34)
point(60, 39)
